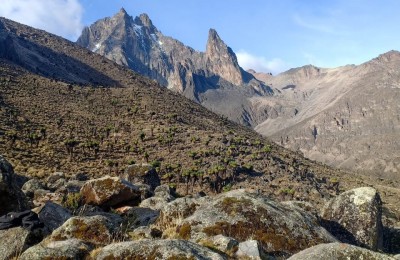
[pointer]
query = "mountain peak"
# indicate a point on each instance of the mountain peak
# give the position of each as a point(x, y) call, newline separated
point(145, 20)
point(122, 13)
point(222, 60)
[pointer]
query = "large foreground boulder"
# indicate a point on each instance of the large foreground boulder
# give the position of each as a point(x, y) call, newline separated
point(155, 249)
point(109, 192)
point(14, 241)
point(142, 173)
point(281, 229)
point(94, 230)
point(11, 196)
point(53, 215)
point(338, 251)
point(68, 249)
point(355, 217)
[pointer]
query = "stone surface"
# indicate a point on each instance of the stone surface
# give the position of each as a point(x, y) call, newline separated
point(16, 240)
point(156, 249)
point(280, 229)
point(68, 249)
point(164, 191)
point(142, 173)
point(109, 192)
point(138, 216)
point(53, 215)
point(94, 230)
point(222, 243)
point(11, 196)
point(355, 216)
point(31, 186)
point(250, 249)
point(145, 233)
point(338, 251)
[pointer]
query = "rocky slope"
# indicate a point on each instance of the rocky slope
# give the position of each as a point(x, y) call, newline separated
point(346, 117)
point(205, 77)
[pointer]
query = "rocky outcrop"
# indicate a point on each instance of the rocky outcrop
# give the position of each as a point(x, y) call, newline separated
point(138, 44)
point(68, 249)
point(142, 173)
point(155, 249)
point(355, 216)
point(338, 251)
point(281, 230)
point(11, 196)
point(221, 60)
point(16, 240)
point(250, 249)
point(95, 230)
point(53, 215)
point(109, 192)
point(31, 186)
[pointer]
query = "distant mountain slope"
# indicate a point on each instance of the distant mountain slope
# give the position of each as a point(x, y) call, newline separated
point(346, 117)
point(52, 121)
point(213, 78)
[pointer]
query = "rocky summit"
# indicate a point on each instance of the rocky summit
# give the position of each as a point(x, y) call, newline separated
point(100, 162)
point(205, 77)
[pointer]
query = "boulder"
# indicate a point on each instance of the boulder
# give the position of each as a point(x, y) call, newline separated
point(250, 249)
point(137, 217)
point(109, 192)
point(338, 251)
point(164, 191)
point(53, 215)
point(68, 249)
point(145, 233)
point(11, 196)
point(95, 230)
point(142, 173)
point(16, 240)
point(355, 217)
point(155, 249)
point(221, 243)
point(31, 186)
point(280, 229)
point(55, 177)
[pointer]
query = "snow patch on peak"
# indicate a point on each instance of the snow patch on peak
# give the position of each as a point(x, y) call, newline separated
point(138, 29)
point(96, 47)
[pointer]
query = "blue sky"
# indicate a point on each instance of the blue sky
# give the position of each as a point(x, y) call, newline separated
point(267, 35)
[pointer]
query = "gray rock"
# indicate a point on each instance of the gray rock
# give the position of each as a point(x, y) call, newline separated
point(55, 177)
point(250, 249)
point(355, 217)
point(246, 216)
point(109, 192)
point(12, 198)
point(145, 233)
point(156, 249)
point(139, 216)
point(95, 230)
point(222, 243)
point(142, 173)
point(338, 251)
point(31, 186)
point(53, 215)
point(164, 191)
point(59, 183)
point(14, 241)
point(69, 249)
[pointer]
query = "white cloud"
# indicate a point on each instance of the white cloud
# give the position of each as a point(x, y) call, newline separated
point(315, 25)
point(61, 17)
point(260, 64)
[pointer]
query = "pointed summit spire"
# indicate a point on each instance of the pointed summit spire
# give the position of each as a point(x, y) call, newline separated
point(122, 11)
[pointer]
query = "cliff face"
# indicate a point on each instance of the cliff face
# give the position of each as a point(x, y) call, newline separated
point(138, 44)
